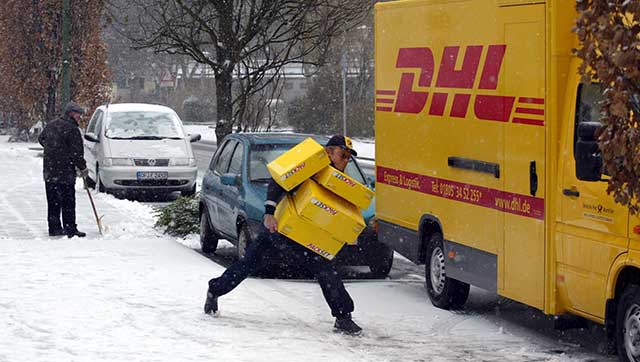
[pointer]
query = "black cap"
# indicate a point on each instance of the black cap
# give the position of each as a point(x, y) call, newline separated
point(74, 107)
point(342, 142)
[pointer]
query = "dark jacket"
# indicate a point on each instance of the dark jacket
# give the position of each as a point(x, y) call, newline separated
point(63, 150)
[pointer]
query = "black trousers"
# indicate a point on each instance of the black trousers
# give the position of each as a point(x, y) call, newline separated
point(268, 245)
point(61, 199)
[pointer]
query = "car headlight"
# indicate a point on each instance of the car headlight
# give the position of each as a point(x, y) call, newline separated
point(183, 162)
point(121, 161)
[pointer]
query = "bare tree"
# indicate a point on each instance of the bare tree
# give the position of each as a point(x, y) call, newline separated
point(259, 36)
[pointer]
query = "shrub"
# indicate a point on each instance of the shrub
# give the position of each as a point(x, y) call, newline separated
point(180, 218)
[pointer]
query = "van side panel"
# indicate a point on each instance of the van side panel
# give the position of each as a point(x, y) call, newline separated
point(460, 128)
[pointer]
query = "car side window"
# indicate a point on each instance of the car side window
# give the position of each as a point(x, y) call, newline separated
point(98, 128)
point(222, 163)
point(91, 128)
point(235, 167)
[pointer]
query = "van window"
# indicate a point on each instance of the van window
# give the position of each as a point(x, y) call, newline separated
point(91, 128)
point(588, 104)
point(143, 125)
point(222, 163)
point(235, 167)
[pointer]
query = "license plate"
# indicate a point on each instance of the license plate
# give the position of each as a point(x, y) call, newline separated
point(145, 175)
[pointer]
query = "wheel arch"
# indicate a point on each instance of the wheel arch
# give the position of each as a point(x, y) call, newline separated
point(429, 224)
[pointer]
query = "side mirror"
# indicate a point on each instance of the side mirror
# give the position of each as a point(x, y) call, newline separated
point(229, 179)
point(194, 138)
point(587, 153)
point(371, 182)
point(91, 138)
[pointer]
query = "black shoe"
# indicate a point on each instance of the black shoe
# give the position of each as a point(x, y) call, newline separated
point(211, 304)
point(77, 233)
point(57, 232)
point(346, 325)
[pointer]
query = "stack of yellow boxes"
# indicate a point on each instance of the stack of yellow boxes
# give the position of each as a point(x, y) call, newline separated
point(324, 211)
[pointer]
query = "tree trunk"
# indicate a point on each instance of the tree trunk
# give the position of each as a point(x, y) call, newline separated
point(224, 124)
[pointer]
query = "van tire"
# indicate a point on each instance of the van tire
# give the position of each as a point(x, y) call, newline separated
point(628, 324)
point(99, 185)
point(444, 292)
point(190, 192)
point(208, 237)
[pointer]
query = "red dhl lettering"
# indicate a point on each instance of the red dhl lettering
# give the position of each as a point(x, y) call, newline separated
point(344, 179)
point(485, 106)
point(324, 206)
point(319, 251)
point(293, 171)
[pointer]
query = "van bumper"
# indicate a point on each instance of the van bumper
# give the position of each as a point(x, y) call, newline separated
point(126, 178)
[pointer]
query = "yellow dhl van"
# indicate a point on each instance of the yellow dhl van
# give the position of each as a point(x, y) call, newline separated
point(487, 167)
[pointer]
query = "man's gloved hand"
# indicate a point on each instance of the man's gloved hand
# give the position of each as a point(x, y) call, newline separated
point(83, 173)
point(270, 223)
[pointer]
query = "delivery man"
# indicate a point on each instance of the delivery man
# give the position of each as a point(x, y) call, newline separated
point(269, 243)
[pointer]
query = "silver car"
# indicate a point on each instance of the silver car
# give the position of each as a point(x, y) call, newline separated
point(139, 147)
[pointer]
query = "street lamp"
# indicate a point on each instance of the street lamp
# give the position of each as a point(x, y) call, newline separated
point(343, 65)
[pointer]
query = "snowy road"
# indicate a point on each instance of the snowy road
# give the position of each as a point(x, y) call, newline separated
point(136, 295)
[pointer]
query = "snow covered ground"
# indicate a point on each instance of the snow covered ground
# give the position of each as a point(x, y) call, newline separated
point(136, 295)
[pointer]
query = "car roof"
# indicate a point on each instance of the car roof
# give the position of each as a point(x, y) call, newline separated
point(136, 107)
point(278, 138)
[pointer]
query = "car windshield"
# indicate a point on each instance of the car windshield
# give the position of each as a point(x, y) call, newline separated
point(261, 155)
point(144, 125)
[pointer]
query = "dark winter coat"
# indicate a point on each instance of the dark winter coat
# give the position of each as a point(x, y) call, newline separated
point(63, 150)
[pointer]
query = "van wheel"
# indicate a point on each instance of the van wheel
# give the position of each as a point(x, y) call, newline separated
point(444, 292)
point(244, 239)
point(99, 185)
point(190, 192)
point(208, 237)
point(628, 325)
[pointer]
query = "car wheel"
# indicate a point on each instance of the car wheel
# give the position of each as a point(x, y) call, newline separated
point(99, 185)
point(208, 237)
point(190, 192)
point(381, 262)
point(244, 239)
point(444, 292)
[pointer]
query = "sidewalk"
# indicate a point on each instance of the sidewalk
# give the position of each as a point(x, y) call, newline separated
point(137, 295)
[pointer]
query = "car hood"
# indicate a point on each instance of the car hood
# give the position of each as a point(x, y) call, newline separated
point(166, 148)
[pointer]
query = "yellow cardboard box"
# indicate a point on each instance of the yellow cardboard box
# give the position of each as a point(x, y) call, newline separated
point(298, 164)
point(342, 219)
point(305, 233)
point(345, 186)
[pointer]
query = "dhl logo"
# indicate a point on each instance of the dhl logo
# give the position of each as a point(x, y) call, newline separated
point(344, 179)
point(528, 110)
point(293, 171)
point(324, 206)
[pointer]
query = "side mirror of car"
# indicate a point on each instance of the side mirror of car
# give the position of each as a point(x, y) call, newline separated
point(371, 181)
point(91, 138)
point(587, 152)
point(194, 137)
point(229, 179)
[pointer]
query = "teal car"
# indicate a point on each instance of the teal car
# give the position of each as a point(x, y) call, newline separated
point(234, 189)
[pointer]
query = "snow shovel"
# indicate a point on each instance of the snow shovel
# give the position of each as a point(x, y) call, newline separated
point(93, 205)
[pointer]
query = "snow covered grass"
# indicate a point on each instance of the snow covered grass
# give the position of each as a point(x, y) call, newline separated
point(136, 294)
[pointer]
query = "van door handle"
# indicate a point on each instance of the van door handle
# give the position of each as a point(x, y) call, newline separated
point(474, 165)
point(571, 192)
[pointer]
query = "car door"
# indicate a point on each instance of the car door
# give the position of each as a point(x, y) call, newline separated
point(90, 148)
point(594, 228)
point(211, 185)
point(231, 197)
